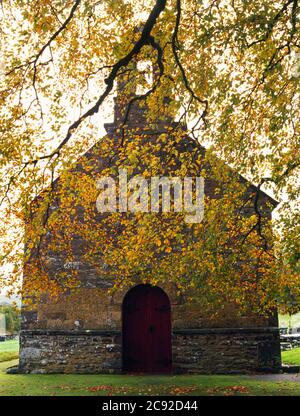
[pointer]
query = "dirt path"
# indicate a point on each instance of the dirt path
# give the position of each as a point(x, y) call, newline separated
point(276, 377)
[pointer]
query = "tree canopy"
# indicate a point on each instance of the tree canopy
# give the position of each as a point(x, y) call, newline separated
point(228, 69)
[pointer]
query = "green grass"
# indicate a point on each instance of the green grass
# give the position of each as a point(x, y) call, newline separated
point(9, 350)
point(291, 356)
point(8, 356)
point(10, 346)
point(106, 385)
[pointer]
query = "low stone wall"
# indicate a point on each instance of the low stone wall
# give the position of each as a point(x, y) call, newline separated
point(203, 351)
point(226, 350)
point(70, 352)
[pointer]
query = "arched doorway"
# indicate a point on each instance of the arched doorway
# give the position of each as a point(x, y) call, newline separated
point(147, 330)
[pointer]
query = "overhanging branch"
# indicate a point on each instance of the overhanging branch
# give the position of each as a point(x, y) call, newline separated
point(143, 40)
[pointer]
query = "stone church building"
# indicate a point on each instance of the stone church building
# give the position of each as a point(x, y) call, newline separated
point(140, 328)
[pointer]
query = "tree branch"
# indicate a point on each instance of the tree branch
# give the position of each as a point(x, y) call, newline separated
point(143, 40)
point(177, 60)
point(273, 23)
point(34, 61)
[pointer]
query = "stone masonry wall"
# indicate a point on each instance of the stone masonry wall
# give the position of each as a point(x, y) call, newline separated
point(70, 352)
point(226, 350)
point(203, 351)
point(95, 309)
point(82, 333)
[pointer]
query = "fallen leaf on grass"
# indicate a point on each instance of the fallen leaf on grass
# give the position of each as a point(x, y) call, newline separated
point(182, 390)
point(110, 389)
point(228, 391)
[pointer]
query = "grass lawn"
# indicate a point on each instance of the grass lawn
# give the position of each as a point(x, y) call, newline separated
point(8, 356)
point(113, 385)
point(11, 345)
point(291, 356)
point(105, 385)
point(9, 350)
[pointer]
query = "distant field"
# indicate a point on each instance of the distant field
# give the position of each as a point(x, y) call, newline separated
point(10, 346)
point(291, 357)
point(8, 356)
point(9, 350)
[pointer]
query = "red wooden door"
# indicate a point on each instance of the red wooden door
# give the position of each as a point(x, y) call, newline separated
point(147, 330)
